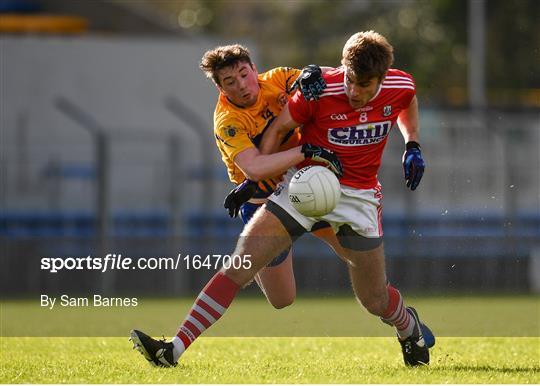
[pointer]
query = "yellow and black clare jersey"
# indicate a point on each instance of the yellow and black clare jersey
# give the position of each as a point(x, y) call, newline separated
point(237, 129)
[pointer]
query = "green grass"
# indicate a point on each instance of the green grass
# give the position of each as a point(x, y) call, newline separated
point(270, 360)
point(483, 339)
point(452, 316)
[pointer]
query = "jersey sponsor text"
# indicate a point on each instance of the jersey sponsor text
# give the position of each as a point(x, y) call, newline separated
point(359, 135)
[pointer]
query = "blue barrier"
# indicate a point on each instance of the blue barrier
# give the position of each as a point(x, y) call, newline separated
point(157, 223)
point(424, 236)
point(82, 224)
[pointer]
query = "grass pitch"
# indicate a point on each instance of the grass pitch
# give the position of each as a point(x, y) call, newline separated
point(334, 342)
point(271, 360)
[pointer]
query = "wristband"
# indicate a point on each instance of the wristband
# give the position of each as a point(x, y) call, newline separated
point(412, 145)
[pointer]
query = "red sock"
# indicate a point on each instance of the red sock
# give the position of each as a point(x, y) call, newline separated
point(396, 314)
point(211, 303)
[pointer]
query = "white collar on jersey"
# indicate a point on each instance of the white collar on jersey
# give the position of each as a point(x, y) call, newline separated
point(377, 93)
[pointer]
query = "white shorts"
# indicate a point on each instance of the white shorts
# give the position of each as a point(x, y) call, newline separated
point(361, 209)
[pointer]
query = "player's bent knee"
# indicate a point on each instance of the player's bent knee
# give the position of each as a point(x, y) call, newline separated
point(282, 304)
point(282, 301)
point(241, 276)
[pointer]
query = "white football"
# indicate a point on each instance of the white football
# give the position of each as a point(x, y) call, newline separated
point(314, 191)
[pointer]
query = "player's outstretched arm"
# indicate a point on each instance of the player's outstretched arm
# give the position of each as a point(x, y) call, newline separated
point(413, 163)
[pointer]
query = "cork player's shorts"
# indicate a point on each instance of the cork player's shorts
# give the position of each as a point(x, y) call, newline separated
point(358, 211)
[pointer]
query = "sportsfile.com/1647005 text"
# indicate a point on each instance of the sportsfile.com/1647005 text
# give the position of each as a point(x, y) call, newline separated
point(113, 261)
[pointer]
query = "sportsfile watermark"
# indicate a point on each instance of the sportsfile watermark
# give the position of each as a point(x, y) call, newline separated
point(113, 261)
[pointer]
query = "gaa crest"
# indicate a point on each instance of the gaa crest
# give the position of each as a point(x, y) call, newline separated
point(387, 110)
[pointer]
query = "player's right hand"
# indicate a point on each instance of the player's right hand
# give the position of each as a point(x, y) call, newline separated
point(242, 193)
point(320, 154)
point(310, 82)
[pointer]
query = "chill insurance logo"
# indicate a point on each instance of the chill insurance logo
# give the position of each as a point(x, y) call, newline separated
point(359, 135)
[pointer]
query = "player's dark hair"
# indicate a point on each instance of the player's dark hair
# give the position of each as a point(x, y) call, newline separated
point(224, 56)
point(368, 54)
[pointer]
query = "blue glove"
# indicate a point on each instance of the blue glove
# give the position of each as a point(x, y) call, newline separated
point(238, 196)
point(413, 164)
point(310, 82)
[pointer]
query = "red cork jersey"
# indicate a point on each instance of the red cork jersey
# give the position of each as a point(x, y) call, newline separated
point(358, 137)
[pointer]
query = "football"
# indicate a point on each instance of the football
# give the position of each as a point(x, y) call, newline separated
point(314, 191)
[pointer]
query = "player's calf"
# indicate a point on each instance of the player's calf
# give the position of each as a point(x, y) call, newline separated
point(375, 303)
point(367, 272)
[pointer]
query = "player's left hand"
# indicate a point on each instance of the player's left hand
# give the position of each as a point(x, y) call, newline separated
point(413, 164)
point(310, 82)
point(238, 196)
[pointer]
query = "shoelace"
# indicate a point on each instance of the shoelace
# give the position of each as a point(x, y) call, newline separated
point(161, 351)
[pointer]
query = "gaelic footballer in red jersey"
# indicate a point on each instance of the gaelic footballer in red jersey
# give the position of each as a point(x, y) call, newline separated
point(363, 101)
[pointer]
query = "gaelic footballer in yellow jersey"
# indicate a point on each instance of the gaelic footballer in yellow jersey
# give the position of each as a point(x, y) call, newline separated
point(247, 104)
point(239, 128)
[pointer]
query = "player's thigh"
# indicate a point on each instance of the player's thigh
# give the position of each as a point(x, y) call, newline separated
point(263, 238)
point(247, 210)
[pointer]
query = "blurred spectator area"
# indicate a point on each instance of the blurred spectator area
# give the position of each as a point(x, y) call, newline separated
point(432, 39)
